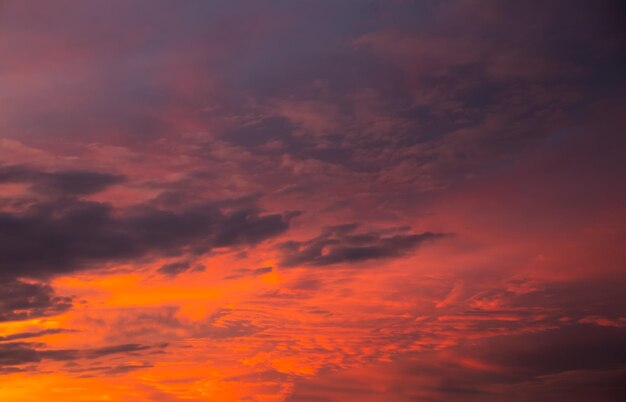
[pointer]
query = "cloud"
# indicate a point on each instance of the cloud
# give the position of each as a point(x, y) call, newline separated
point(341, 245)
point(20, 353)
point(53, 237)
point(574, 363)
point(25, 335)
point(64, 183)
point(125, 368)
point(175, 268)
point(379, 112)
point(16, 353)
point(58, 232)
point(246, 272)
point(20, 300)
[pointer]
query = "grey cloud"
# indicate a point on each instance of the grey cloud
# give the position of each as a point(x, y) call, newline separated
point(25, 335)
point(16, 354)
point(56, 237)
point(65, 183)
point(175, 268)
point(125, 368)
point(573, 363)
point(126, 348)
point(21, 300)
point(342, 244)
point(244, 272)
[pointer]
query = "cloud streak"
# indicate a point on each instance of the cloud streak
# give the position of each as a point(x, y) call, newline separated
point(342, 245)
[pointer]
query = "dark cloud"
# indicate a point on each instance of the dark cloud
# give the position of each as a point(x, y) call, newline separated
point(25, 335)
point(572, 347)
point(573, 363)
point(244, 272)
point(16, 353)
point(65, 183)
point(125, 368)
point(20, 353)
point(125, 348)
point(93, 370)
point(341, 244)
point(175, 268)
point(20, 300)
point(63, 236)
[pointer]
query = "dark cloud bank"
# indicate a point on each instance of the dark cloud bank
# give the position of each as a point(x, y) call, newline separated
point(63, 236)
point(58, 232)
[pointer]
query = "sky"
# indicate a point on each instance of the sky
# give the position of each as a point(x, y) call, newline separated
point(312, 200)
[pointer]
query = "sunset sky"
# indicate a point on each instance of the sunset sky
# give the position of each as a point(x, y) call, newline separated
point(312, 200)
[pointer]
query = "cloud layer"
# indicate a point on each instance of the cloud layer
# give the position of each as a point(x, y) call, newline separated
point(312, 200)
